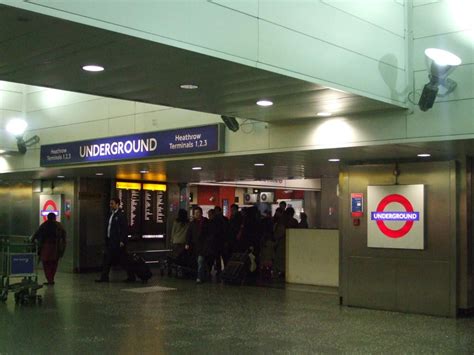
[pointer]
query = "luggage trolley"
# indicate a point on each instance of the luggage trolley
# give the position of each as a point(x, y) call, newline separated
point(18, 261)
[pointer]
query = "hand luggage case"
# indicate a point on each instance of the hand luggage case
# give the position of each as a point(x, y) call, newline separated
point(139, 267)
point(236, 269)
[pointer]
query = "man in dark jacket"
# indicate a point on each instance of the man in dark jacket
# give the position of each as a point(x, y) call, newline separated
point(199, 240)
point(235, 223)
point(221, 223)
point(115, 242)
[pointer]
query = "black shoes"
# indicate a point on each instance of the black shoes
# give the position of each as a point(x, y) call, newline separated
point(128, 280)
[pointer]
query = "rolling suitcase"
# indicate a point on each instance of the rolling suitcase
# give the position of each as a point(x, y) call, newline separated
point(236, 269)
point(139, 267)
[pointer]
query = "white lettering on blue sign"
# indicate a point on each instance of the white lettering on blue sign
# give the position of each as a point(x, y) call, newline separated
point(395, 216)
point(118, 148)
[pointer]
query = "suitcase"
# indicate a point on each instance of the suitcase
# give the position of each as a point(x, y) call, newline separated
point(236, 269)
point(139, 267)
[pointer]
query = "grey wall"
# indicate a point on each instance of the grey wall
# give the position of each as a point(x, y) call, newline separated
point(16, 204)
point(327, 204)
point(310, 207)
point(418, 281)
point(19, 212)
point(93, 209)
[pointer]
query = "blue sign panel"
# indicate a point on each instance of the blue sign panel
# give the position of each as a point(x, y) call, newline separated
point(22, 264)
point(193, 140)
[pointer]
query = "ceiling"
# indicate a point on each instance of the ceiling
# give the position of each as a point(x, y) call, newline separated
point(46, 51)
point(300, 164)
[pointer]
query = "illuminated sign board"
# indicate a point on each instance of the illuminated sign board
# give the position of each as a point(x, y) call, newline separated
point(128, 185)
point(183, 141)
point(49, 204)
point(395, 218)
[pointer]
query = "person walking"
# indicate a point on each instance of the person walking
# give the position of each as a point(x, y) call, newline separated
point(51, 238)
point(198, 239)
point(179, 231)
point(115, 243)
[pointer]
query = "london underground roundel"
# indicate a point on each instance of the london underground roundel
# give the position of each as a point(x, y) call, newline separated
point(395, 218)
point(49, 204)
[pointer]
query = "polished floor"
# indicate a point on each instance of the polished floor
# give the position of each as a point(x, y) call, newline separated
point(173, 316)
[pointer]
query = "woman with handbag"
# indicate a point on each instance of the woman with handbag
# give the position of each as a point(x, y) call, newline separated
point(51, 237)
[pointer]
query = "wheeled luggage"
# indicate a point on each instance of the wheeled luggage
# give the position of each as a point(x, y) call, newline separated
point(139, 267)
point(182, 265)
point(236, 269)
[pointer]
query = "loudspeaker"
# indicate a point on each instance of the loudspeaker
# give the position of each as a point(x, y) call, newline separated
point(231, 123)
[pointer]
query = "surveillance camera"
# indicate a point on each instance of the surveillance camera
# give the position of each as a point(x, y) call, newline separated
point(428, 97)
point(231, 123)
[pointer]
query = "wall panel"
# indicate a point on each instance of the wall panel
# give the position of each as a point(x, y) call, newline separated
point(397, 279)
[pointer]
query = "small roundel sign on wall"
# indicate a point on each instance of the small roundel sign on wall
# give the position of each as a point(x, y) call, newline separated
point(395, 216)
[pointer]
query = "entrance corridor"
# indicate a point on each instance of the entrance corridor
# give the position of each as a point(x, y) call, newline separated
point(79, 316)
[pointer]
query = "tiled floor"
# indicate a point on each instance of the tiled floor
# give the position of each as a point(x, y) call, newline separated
point(79, 316)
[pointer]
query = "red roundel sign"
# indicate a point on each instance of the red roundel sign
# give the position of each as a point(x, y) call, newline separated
point(48, 207)
point(395, 203)
point(395, 233)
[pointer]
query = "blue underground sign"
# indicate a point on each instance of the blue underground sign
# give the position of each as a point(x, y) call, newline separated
point(193, 140)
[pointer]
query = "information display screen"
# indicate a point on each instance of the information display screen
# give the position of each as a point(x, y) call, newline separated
point(145, 208)
point(131, 206)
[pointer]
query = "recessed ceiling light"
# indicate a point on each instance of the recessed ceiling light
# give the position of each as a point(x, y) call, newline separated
point(188, 86)
point(324, 114)
point(143, 171)
point(61, 176)
point(197, 168)
point(264, 103)
point(99, 174)
point(334, 160)
point(259, 164)
point(424, 155)
point(92, 68)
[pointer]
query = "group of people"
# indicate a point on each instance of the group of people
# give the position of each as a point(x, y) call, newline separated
point(211, 240)
point(214, 239)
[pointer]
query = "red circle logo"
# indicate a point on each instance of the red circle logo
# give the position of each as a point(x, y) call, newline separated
point(395, 233)
point(49, 203)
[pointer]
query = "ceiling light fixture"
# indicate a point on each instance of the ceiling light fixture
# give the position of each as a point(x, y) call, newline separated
point(144, 171)
point(60, 176)
point(264, 103)
point(423, 155)
point(197, 168)
point(324, 114)
point(440, 63)
point(259, 164)
point(99, 174)
point(17, 128)
point(334, 160)
point(93, 68)
point(189, 86)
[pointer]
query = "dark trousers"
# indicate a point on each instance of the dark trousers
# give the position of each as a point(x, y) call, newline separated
point(50, 268)
point(114, 256)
